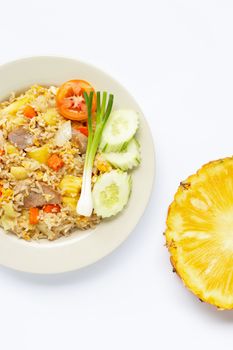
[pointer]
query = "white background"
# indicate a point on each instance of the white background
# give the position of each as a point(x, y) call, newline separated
point(176, 58)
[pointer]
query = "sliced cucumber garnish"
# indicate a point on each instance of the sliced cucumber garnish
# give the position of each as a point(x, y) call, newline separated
point(127, 159)
point(119, 130)
point(111, 193)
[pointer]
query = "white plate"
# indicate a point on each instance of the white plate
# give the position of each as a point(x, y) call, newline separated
point(85, 248)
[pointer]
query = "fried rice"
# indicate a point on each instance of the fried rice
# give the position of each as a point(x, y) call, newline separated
point(23, 177)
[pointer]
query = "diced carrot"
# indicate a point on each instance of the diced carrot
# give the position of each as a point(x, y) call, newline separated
point(82, 129)
point(33, 216)
point(51, 208)
point(55, 162)
point(2, 152)
point(29, 112)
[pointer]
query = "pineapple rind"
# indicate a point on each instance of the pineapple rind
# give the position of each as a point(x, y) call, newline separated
point(199, 233)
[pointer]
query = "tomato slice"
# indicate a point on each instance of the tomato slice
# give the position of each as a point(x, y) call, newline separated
point(70, 101)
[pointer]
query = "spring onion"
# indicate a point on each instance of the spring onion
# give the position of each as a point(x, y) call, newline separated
point(85, 203)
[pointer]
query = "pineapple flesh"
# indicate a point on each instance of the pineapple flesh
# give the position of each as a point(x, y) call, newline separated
point(199, 233)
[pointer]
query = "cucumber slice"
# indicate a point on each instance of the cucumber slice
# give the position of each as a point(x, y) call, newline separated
point(119, 130)
point(127, 159)
point(111, 193)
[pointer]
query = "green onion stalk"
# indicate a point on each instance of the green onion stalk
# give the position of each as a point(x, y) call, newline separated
point(104, 107)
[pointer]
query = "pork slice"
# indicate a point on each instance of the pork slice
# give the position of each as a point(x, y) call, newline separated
point(80, 140)
point(21, 137)
point(49, 196)
point(48, 190)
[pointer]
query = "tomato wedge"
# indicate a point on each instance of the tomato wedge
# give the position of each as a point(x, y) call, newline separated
point(82, 129)
point(51, 208)
point(70, 101)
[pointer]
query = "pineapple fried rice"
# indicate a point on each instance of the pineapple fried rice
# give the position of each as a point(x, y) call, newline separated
point(39, 176)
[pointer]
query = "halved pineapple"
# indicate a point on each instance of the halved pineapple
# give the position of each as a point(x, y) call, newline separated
point(199, 233)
